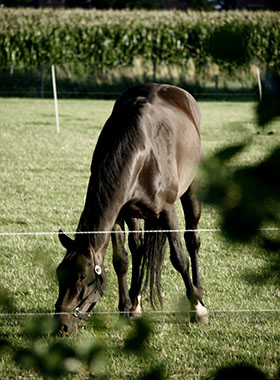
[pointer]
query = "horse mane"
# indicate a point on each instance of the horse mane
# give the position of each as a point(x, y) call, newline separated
point(114, 149)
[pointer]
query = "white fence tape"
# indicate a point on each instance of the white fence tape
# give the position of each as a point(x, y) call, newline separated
point(37, 233)
point(150, 312)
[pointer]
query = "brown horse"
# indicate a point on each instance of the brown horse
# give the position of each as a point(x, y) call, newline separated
point(145, 159)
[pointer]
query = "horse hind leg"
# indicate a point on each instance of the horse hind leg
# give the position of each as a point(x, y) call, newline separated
point(180, 262)
point(192, 210)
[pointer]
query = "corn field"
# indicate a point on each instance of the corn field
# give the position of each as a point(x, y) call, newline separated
point(108, 39)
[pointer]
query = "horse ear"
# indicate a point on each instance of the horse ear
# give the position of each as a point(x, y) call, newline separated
point(65, 240)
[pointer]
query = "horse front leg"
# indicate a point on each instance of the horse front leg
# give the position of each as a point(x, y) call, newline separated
point(180, 262)
point(120, 263)
point(135, 242)
point(192, 210)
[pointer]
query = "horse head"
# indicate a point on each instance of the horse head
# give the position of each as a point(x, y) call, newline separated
point(81, 284)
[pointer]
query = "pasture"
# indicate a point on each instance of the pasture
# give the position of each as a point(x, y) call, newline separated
point(44, 178)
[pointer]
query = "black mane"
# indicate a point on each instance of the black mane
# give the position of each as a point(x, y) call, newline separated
point(118, 140)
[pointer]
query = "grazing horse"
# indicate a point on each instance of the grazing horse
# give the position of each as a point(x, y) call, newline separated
point(145, 159)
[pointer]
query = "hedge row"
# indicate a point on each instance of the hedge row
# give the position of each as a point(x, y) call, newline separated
point(30, 37)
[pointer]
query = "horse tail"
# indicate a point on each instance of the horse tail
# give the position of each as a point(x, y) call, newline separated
point(154, 251)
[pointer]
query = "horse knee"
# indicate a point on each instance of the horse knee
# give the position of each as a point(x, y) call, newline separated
point(135, 242)
point(192, 240)
point(120, 263)
point(120, 256)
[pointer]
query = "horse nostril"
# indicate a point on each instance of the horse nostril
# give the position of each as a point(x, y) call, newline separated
point(63, 330)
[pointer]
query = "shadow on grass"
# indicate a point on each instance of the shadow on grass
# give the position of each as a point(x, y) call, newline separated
point(270, 272)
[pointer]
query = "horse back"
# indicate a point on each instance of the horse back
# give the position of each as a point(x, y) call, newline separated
point(181, 100)
point(170, 96)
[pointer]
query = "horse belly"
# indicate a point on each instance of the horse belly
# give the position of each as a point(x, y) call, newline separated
point(188, 154)
point(187, 165)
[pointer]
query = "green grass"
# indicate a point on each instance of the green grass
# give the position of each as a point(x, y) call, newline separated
point(43, 185)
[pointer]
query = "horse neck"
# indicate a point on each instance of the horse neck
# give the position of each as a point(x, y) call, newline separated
point(99, 215)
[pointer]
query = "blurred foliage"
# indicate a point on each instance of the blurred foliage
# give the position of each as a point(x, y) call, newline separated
point(248, 197)
point(156, 373)
point(54, 357)
point(6, 305)
point(41, 327)
point(6, 301)
point(241, 371)
point(135, 342)
point(48, 359)
point(269, 107)
point(228, 44)
point(53, 360)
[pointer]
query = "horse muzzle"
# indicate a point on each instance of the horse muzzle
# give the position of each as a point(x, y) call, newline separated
point(68, 321)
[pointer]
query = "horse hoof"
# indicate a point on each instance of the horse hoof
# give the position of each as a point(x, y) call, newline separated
point(137, 312)
point(200, 314)
point(203, 318)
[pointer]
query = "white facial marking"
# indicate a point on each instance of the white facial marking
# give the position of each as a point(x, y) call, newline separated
point(98, 270)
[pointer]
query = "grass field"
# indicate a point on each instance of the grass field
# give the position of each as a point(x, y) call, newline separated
point(43, 185)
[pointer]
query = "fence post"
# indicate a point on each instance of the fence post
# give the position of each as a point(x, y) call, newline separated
point(55, 100)
point(259, 83)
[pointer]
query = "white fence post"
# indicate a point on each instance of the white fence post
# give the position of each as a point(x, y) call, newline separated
point(259, 83)
point(55, 100)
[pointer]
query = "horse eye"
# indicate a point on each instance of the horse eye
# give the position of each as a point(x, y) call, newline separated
point(82, 277)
